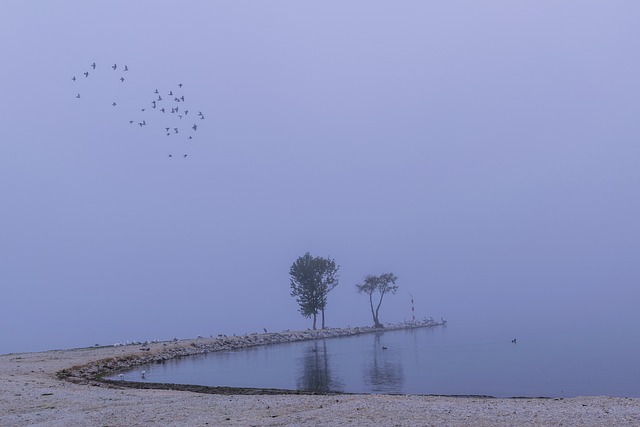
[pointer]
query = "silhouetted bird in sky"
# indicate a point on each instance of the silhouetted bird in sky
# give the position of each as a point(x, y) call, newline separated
point(179, 116)
point(176, 129)
point(159, 98)
point(170, 155)
point(114, 66)
point(156, 91)
point(93, 65)
point(130, 121)
point(184, 155)
point(86, 74)
point(126, 68)
point(182, 98)
point(190, 137)
point(162, 109)
point(170, 93)
point(73, 78)
point(179, 84)
point(121, 79)
point(195, 127)
point(167, 129)
point(153, 103)
point(186, 112)
point(142, 109)
point(78, 96)
point(114, 104)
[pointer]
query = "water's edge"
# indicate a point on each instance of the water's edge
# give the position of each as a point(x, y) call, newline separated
point(95, 373)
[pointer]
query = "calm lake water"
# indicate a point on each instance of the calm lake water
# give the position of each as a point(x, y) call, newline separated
point(448, 360)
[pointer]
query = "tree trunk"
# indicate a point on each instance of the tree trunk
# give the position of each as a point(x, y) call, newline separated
point(323, 318)
point(373, 313)
point(378, 324)
point(314, 321)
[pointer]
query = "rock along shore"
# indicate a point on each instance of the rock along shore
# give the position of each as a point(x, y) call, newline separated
point(159, 352)
point(33, 394)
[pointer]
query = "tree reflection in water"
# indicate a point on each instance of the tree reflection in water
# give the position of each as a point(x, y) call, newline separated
point(315, 370)
point(385, 373)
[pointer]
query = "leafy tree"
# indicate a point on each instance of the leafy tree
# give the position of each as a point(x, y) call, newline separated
point(312, 278)
point(383, 284)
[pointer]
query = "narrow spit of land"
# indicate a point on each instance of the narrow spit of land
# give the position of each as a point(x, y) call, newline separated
point(64, 388)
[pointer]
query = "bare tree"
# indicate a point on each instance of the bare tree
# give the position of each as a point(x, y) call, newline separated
point(383, 284)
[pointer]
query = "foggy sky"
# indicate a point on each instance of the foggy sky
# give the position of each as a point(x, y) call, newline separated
point(484, 152)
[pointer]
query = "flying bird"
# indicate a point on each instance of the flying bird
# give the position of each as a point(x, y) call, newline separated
point(126, 68)
point(142, 109)
point(162, 109)
point(182, 98)
point(73, 78)
point(179, 84)
point(186, 112)
point(170, 155)
point(195, 127)
point(86, 74)
point(190, 137)
point(184, 155)
point(114, 104)
point(156, 91)
point(114, 67)
point(176, 129)
point(93, 65)
point(78, 96)
point(170, 93)
point(121, 79)
point(167, 129)
point(130, 121)
point(179, 116)
point(159, 98)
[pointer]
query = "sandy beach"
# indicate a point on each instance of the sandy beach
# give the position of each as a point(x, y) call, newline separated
point(32, 393)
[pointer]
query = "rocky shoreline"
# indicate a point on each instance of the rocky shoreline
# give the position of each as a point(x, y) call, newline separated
point(150, 353)
point(32, 393)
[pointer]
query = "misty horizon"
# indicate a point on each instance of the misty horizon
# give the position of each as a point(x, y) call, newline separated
point(484, 154)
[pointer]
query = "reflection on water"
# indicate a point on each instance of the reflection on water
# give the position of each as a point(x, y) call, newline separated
point(314, 370)
point(384, 373)
point(474, 360)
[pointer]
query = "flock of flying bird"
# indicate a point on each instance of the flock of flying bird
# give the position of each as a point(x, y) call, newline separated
point(167, 105)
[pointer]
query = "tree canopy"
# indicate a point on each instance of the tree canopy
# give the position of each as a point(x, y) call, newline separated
point(311, 279)
point(383, 284)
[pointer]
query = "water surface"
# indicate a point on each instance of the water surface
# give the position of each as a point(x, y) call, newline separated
point(449, 360)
